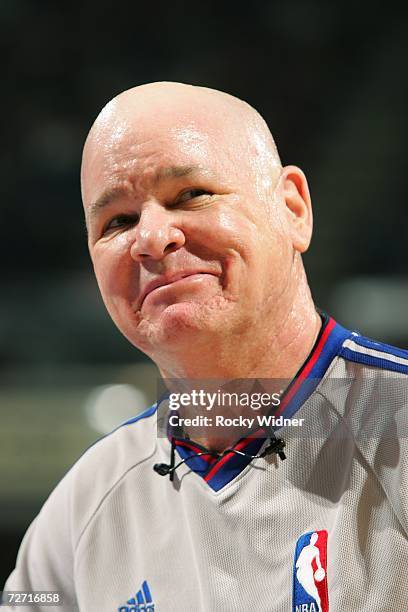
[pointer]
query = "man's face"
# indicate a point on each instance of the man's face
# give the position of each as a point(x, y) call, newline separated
point(187, 242)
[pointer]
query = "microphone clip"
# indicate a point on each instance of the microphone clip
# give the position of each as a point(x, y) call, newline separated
point(162, 468)
point(276, 446)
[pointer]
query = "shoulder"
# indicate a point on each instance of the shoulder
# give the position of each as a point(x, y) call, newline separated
point(103, 466)
point(123, 449)
point(372, 353)
point(370, 394)
point(367, 386)
point(133, 433)
point(47, 553)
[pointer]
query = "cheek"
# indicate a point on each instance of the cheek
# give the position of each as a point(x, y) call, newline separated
point(115, 275)
point(231, 230)
point(267, 251)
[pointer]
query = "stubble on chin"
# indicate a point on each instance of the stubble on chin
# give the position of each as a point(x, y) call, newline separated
point(181, 323)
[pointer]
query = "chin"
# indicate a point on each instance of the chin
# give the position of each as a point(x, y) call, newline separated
point(176, 325)
point(181, 320)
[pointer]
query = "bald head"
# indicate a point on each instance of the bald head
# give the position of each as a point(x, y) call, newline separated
point(198, 116)
point(193, 224)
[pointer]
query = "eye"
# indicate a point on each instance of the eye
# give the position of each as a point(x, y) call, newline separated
point(120, 221)
point(190, 194)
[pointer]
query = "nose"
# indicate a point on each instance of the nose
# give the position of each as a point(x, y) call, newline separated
point(156, 234)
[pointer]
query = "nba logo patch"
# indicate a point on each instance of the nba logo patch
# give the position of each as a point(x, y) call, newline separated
point(310, 573)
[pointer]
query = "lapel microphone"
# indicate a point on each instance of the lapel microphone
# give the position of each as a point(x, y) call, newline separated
point(276, 445)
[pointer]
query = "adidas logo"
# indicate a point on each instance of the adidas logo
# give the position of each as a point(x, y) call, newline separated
point(141, 602)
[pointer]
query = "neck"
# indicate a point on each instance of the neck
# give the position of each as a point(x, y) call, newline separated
point(274, 350)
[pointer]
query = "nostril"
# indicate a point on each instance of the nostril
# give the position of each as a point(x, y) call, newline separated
point(170, 247)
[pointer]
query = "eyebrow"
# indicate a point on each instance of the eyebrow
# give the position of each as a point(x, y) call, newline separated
point(110, 195)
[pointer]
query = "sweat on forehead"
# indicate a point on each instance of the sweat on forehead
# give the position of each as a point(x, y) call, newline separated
point(160, 109)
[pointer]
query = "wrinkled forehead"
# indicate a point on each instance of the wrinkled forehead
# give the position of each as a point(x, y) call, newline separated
point(141, 157)
point(149, 146)
point(191, 136)
point(141, 141)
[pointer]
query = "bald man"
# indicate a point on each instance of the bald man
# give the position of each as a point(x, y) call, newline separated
point(196, 233)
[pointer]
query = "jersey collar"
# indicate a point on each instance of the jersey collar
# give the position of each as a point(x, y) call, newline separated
point(218, 472)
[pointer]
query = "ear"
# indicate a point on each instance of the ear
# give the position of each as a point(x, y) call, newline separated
point(296, 197)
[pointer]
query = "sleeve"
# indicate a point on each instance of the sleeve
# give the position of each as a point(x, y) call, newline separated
point(45, 561)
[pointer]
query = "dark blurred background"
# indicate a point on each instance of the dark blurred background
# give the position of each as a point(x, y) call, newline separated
point(330, 79)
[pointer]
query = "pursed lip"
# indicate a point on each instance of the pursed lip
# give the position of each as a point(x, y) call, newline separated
point(168, 279)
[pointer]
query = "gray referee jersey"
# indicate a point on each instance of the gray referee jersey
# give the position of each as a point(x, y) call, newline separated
point(326, 529)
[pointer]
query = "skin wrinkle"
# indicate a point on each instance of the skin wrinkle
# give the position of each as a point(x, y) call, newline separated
point(114, 123)
point(255, 317)
point(162, 174)
point(289, 314)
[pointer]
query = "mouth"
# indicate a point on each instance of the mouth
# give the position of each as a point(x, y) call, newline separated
point(169, 280)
